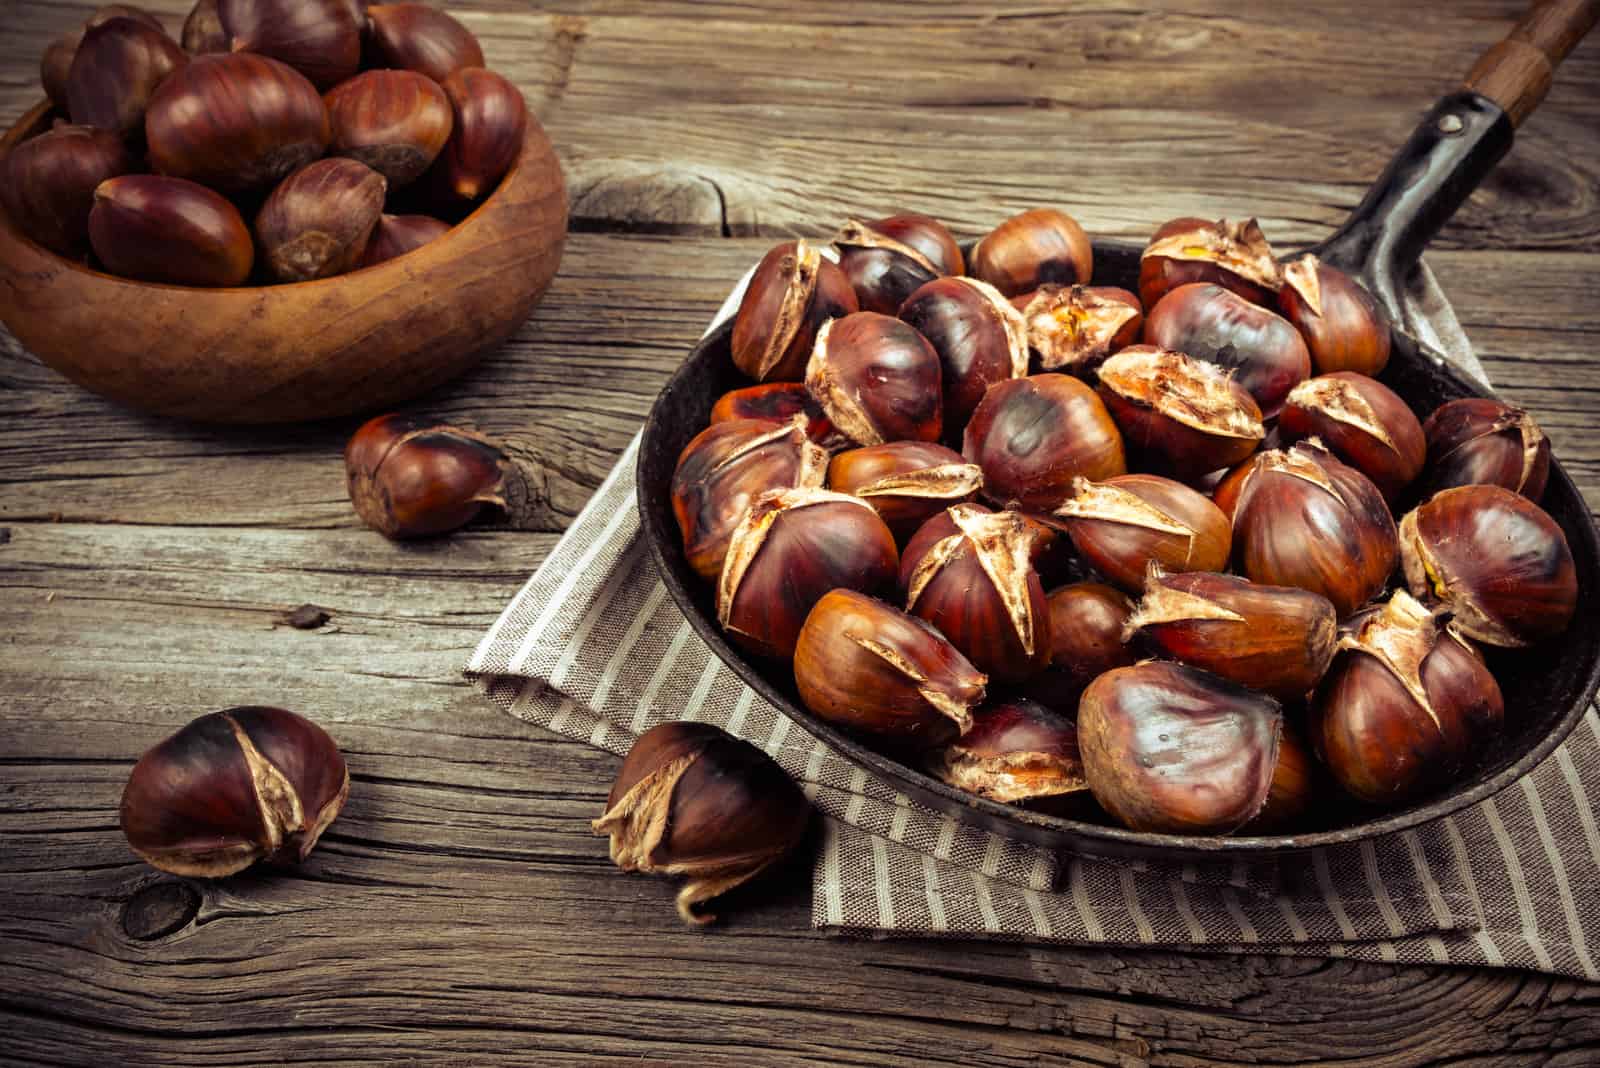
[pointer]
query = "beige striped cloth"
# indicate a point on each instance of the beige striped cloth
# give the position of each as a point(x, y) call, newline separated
point(593, 648)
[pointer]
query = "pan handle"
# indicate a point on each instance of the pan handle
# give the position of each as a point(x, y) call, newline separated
point(1516, 73)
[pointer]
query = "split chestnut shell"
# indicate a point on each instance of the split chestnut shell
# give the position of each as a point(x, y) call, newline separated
point(1210, 322)
point(1074, 328)
point(1363, 422)
point(978, 335)
point(1185, 415)
point(1124, 524)
point(1187, 250)
point(1016, 750)
point(908, 482)
point(877, 379)
point(794, 290)
point(1344, 328)
point(1478, 440)
point(887, 260)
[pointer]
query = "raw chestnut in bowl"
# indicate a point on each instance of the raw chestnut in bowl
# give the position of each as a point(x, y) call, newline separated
point(396, 235)
point(1016, 750)
point(793, 292)
point(47, 184)
point(1188, 250)
point(1123, 525)
point(115, 73)
point(168, 230)
point(908, 482)
point(877, 379)
point(1478, 440)
point(1074, 328)
point(319, 38)
point(1361, 421)
point(489, 121)
point(1210, 322)
point(421, 38)
point(55, 65)
point(1181, 414)
point(887, 260)
point(1033, 436)
point(394, 121)
point(979, 338)
point(1344, 328)
point(317, 222)
point(1035, 248)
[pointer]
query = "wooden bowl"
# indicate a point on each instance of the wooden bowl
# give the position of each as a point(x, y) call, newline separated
point(311, 350)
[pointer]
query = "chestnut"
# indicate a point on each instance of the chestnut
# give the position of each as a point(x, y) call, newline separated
point(887, 260)
point(1033, 436)
point(1087, 620)
point(317, 222)
point(979, 336)
point(232, 788)
point(319, 38)
point(1495, 560)
point(908, 482)
point(867, 666)
point(1032, 249)
point(394, 121)
point(1124, 524)
point(792, 547)
point(1017, 750)
point(202, 30)
point(1363, 422)
point(969, 572)
point(1406, 706)
point(1277, 639)
point(1305, 519)
point(779, 402)
point(726, 467)
point(115, 72)
point(410, 477)
point(55, 65)
point(1171, 749)
point(1478, 440)
point(396, 235)
point(1186, 250)
point(490, 121)
point(1213, 323)
point(794, 290)
point(237, 122)
point(421, 38)
point(47, 184)
point(1074, 328)
point(877, 379)
point(1344, 327)
point(1183, 415)
point(1295, 782)
point(159, 229)
point(691, 800)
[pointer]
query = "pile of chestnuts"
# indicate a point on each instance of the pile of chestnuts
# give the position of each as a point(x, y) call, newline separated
point(1117, 555)
point(281, 141)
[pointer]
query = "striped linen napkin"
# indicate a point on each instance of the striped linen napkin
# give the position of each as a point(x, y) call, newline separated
point(593, 648)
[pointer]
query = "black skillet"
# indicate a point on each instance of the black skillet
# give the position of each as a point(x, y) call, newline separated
point(1547, 688)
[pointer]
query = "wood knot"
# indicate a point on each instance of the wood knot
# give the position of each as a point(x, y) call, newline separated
point(306, 617)
point(160, 909)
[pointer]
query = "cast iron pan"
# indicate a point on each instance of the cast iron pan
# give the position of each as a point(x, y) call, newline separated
point(1547, 688)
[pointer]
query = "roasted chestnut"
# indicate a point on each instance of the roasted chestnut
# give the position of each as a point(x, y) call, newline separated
point(724, 469)
point(232, 788)
point(395, 235)
point(1235, 255)
point(1478, 440)
point(420, 38)
point(1074, 328)
point(1406, 706)
point(779, 402)
point(1295, 780)
point(794, 290)
point(979, 336)
point(867, 666)
point(237, 123)
point(1277, 639)
point(202, 30)
point(1495, 560)
point(410, 477)
point(394, 121)
point(159, 229)
point(969, 572)
point(792, 547)
point(317, 222)
point(1213, 323)
point(1035, 248)
point(490, 122)
point(1344, 327)
point(887, 260)
point(692, 800)
point(1363, 422)
point(1033, 436)
point(319, 38)
point(1172, 749)
point(1086, 624)
point(1124, 524)
point(115, 71)
point(1305, 519)
point(908, 482)
point(1017, 750)
point(1183, 415)
point(47, 183)
point(877, 379)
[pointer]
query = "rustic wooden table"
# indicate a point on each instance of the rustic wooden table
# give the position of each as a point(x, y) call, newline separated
point(461, 910)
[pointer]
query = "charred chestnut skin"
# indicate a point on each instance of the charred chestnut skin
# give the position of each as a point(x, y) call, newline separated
point(1039, 247)
point(317, 222)
point(115, 72)
point(167, 230)
point(1124, 524)
point(888, 259)
point(1478, 440)
point(794, 290)
point(421, 38)
point(1032, 436)
point(1189, 250)
point(877, 379)
point(979, 337)
point(1017, 750)
point(779, 402)
point(1213, 323)
point(1361, 421)
point(1171, 749)
point(395, 121)
point(1345, 329)
point(1087, 621)
point(868, 666)
point(410, 477)
point(908, 482)
point(47, 184)
point(1178, 414)
point(1496, 560)
point(1074, 328)
point(319, 38)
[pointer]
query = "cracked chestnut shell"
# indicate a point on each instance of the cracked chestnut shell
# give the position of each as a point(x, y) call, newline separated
point(115, 73)
point(396, 235)
point(1210, 322)
point(1407, 705)
point(1087, 620)
point(47, 184)
point(319, 38)
point(317, 222)
point(394, 121)
point(1017, 750)
point(795, 289)
point(1184, 415)
point(1344, 328)
point(1032, 249)
point(1478, 440)
point(1277, 639)
point(1074, 328)
point(792, 548)
point(691, 800)
point(779, 402)
point(1361, 421)
point(908, 482)
point(877, 379)
point(167, 230)
point(721, 472)
point(1124, 524)
point(886, 260)
point(1171, 749)
point(409, 477)
point(1033, 436)
point(421, 38)
point(969, 572)
point(1495, 560)
point(232, 788)
point(488, 124)
point(1187, 250)
point(978, 335)
point(865, 665)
